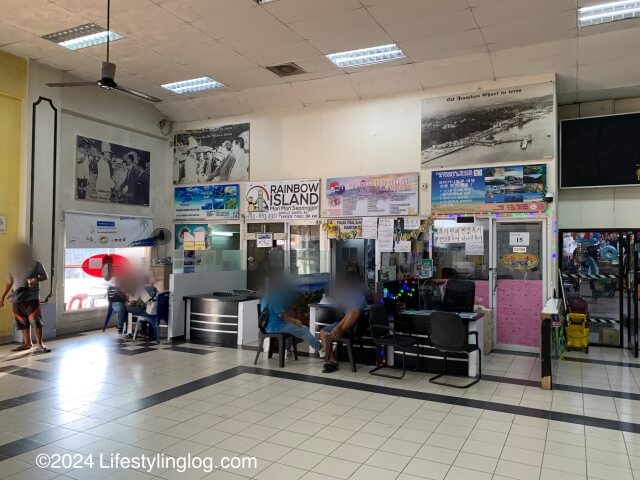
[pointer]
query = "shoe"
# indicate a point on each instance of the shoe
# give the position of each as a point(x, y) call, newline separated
point(42, 349)
point(120, 331)
point(322, 353)
point(330, 367)
point(289, 354)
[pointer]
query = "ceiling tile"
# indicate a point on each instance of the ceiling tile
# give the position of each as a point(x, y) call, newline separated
point(291, 52)
point(223, 105)
point(289, 11)
point(194, 10)
point(275, 97)
point(444, 46)
point(521, 11)
point(181, 110)
point(341, 42)
point(339, 24)
point(34, 47)
point(249, 78)
point(40, 17)
point(615, 44)
point(558, 56)
point(325, 90)
point(10, 34)
point(402, 11)
point(70, 60)
point(386, 81)
point(96, 10)
point(452, 71)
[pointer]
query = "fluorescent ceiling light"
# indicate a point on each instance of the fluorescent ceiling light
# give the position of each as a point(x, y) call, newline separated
point(222, 234)
point(83, 36)
point(608, 12)
point(367, 56)
point(262, 2)
point(194, 85)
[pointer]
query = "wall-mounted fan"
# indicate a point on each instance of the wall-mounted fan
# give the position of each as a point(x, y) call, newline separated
point(161, 238)
point(107, 79)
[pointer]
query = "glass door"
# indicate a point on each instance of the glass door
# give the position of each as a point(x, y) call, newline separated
point(633, 282)
point(518, 271)
point(263, 260)
point(304, 247)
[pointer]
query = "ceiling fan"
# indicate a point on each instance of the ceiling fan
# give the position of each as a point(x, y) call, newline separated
point(107, 79)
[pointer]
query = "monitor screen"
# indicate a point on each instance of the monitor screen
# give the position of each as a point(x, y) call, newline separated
point(600, 151)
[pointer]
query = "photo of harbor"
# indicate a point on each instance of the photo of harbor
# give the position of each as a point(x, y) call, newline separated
point(489, 126)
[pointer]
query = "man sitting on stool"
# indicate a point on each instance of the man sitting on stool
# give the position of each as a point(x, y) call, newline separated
point(351, 300)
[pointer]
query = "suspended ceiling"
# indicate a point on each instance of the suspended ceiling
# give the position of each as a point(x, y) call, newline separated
point(446, 42)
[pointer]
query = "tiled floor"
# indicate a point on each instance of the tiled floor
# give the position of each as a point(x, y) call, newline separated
point(95, 394)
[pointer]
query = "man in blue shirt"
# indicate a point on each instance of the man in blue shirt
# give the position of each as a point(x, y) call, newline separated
point(277, 301)
point(351, 301)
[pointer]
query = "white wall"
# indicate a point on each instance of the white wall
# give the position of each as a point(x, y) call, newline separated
point(599, 207)
point(348, 138)
point(92, 112)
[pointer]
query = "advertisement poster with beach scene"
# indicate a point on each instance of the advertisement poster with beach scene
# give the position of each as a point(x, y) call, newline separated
point(492, 189)
point(207, 202)
point(489, 126)
point(373, 196)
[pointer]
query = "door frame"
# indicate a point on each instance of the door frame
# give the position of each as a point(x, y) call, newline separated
point(543, 222)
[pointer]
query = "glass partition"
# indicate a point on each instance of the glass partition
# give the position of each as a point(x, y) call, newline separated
point(461, 260)
point(222, 249)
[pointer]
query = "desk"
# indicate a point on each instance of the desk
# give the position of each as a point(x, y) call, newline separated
point(225, 320)
point(475, 323)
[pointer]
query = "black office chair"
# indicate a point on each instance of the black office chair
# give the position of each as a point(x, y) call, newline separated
point(384, 336)
point(459, 296)
point(448, 333)
point(281, 338)
point(359, 331)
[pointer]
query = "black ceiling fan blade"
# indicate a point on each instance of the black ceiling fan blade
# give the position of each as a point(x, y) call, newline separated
point(138, 94)
point(72, 84)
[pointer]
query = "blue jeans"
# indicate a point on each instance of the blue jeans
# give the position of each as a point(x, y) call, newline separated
point(301, 332)
point(120, 310)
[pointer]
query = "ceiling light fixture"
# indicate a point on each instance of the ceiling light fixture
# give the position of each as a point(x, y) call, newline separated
point(608, 12)
point(262, 2)
point(194, 85)
point(83, 36)
point(367, 56)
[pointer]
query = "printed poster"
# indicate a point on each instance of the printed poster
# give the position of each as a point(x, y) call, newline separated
point(185, 233)
point(489, 126)
point(207, 202)
point(217, 154)
point(347, 228)
point(107, 231)
point(373, 196)
point(108, 172)
point(285, 200)
point(491, 189)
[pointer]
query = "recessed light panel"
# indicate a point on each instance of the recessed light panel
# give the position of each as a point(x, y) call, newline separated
point(83, 36)
point(608, 12)
point(367, 56)
point(194, 85)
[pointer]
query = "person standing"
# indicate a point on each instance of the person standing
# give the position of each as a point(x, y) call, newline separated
point(104, 183)
point(24, 284)
point(240, 169)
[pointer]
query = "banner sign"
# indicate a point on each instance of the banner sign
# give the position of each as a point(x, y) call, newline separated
point(486, 190)
point(207, 202)
point(373, 196)
point(286, 200)
point(344, 228)
point(84, 230)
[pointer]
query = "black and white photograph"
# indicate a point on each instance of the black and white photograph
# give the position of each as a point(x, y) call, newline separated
point(108, 172)
point(488, 126)
point(217, 154)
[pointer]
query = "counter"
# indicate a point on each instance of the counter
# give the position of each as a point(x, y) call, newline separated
point(223, 320)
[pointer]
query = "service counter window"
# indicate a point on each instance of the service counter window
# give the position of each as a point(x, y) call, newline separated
point(201, 247)
point(405, 265)
point(457, 259)
point(84, 287)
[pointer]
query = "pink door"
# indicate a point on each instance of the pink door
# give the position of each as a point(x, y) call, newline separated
point(519, 283)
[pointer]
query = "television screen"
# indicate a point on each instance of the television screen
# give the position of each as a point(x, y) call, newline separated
point(600, 151)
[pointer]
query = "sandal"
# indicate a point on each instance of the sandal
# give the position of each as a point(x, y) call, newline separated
point(22, 348)
point(330, 367)
point(42, 349)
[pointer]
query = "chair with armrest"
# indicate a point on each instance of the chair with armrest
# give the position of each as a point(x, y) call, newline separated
point(359, 330)
point(281, 338)
point(162, 313)
point(448, 333)
point(384, 336)
point(459, 296)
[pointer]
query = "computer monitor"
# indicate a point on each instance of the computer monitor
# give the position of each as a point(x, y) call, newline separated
point(459, 296)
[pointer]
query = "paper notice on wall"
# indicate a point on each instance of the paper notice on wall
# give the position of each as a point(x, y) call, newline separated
point(194, 240)
point(385, 235)
point(448, 235)
point(403, 246)
point(519, 239)
point(471, 234)
point(474, 248)
point(370, 228)
point(411, 223)
point(264, 240)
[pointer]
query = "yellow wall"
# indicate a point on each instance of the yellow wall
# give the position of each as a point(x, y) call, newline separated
point(13, 86)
